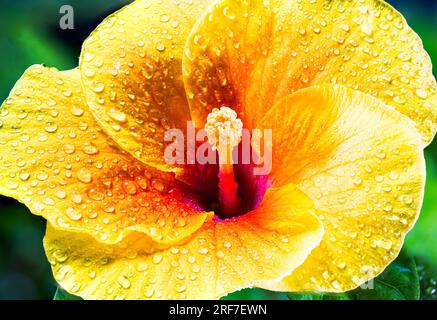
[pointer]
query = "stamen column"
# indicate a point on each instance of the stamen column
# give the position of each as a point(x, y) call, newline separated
point(224, 131)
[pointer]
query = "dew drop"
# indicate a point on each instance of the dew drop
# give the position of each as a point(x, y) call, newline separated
point(60, 194)
point(220, 254)
point(358, 181)
point(157, 259)
point(60, 255)
point(90, 149)
point(95, 194)
point(191, 259)
point(68, 148)
point(124, 282)
point(67, 92)
point(421, 93)
point(51, 127)
point(160, 47)
point(11, 184)
point(98, 87)
point(73, 214)
point(388, 208)
point(158, 185)
point(49, 201)
point(149, 292)
point(91, 274)
point(117, 115)
point(77, 112)
point(84, 176)
point(336, 285)
point(340, 264)
point(228, 13)
point(62, 273)
point(42, 175)
point(407, 199)
point(75, 287)
point(129, 187)
point(181, 287)
point(89, 72)
point(165, 18)
point(76, 198)
point(24, 176)
point(203, 251)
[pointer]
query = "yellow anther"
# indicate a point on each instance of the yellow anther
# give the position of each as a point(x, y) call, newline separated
point(224, 129)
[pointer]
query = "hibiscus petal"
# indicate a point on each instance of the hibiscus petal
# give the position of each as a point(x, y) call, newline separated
point(249, 54)
point(59, 163)
point(131, 71)
point(221, 257)
point(362, 164)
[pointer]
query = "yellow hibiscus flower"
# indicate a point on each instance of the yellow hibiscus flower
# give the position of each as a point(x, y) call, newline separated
point(346, 88)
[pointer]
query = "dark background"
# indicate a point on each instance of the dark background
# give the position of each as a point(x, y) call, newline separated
point(30, 34)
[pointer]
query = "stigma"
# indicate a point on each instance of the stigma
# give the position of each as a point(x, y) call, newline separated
point(224, 130)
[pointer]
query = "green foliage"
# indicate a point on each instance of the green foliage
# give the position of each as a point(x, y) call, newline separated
point(255, 294)
point(61, 294)
point(420, 242)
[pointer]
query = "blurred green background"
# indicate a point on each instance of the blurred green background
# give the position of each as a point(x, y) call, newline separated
point(30, 34)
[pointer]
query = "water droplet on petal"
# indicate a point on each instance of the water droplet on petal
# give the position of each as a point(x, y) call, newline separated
point(69, 148)
point(421, 93)
point(130, 187)
point(90, 149)
point(60, 194)
point(124, 282)
point(157, 259)
point(160, 47)
point(149, 292)
point(24, 176)
point(98, 87)
point(84, 175)
point(73, 214)
point(77, 112)
point(91, 274)
point(407, 199)
point(11, 184)
point(118, 116)
point(51, 127)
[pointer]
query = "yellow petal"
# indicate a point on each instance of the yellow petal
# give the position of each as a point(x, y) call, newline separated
point(249, 54)
point(362, 164)
point(131, 71)
point(58, 162)
point(221, 257)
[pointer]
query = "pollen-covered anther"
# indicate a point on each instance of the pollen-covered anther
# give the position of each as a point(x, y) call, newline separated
point(224, 129)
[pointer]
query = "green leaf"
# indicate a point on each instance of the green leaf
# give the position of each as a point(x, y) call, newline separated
point(420, 242)
point(61, 294)
point(399, 281)
point(255, 294)
point(428, 281)
point(318, 296)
